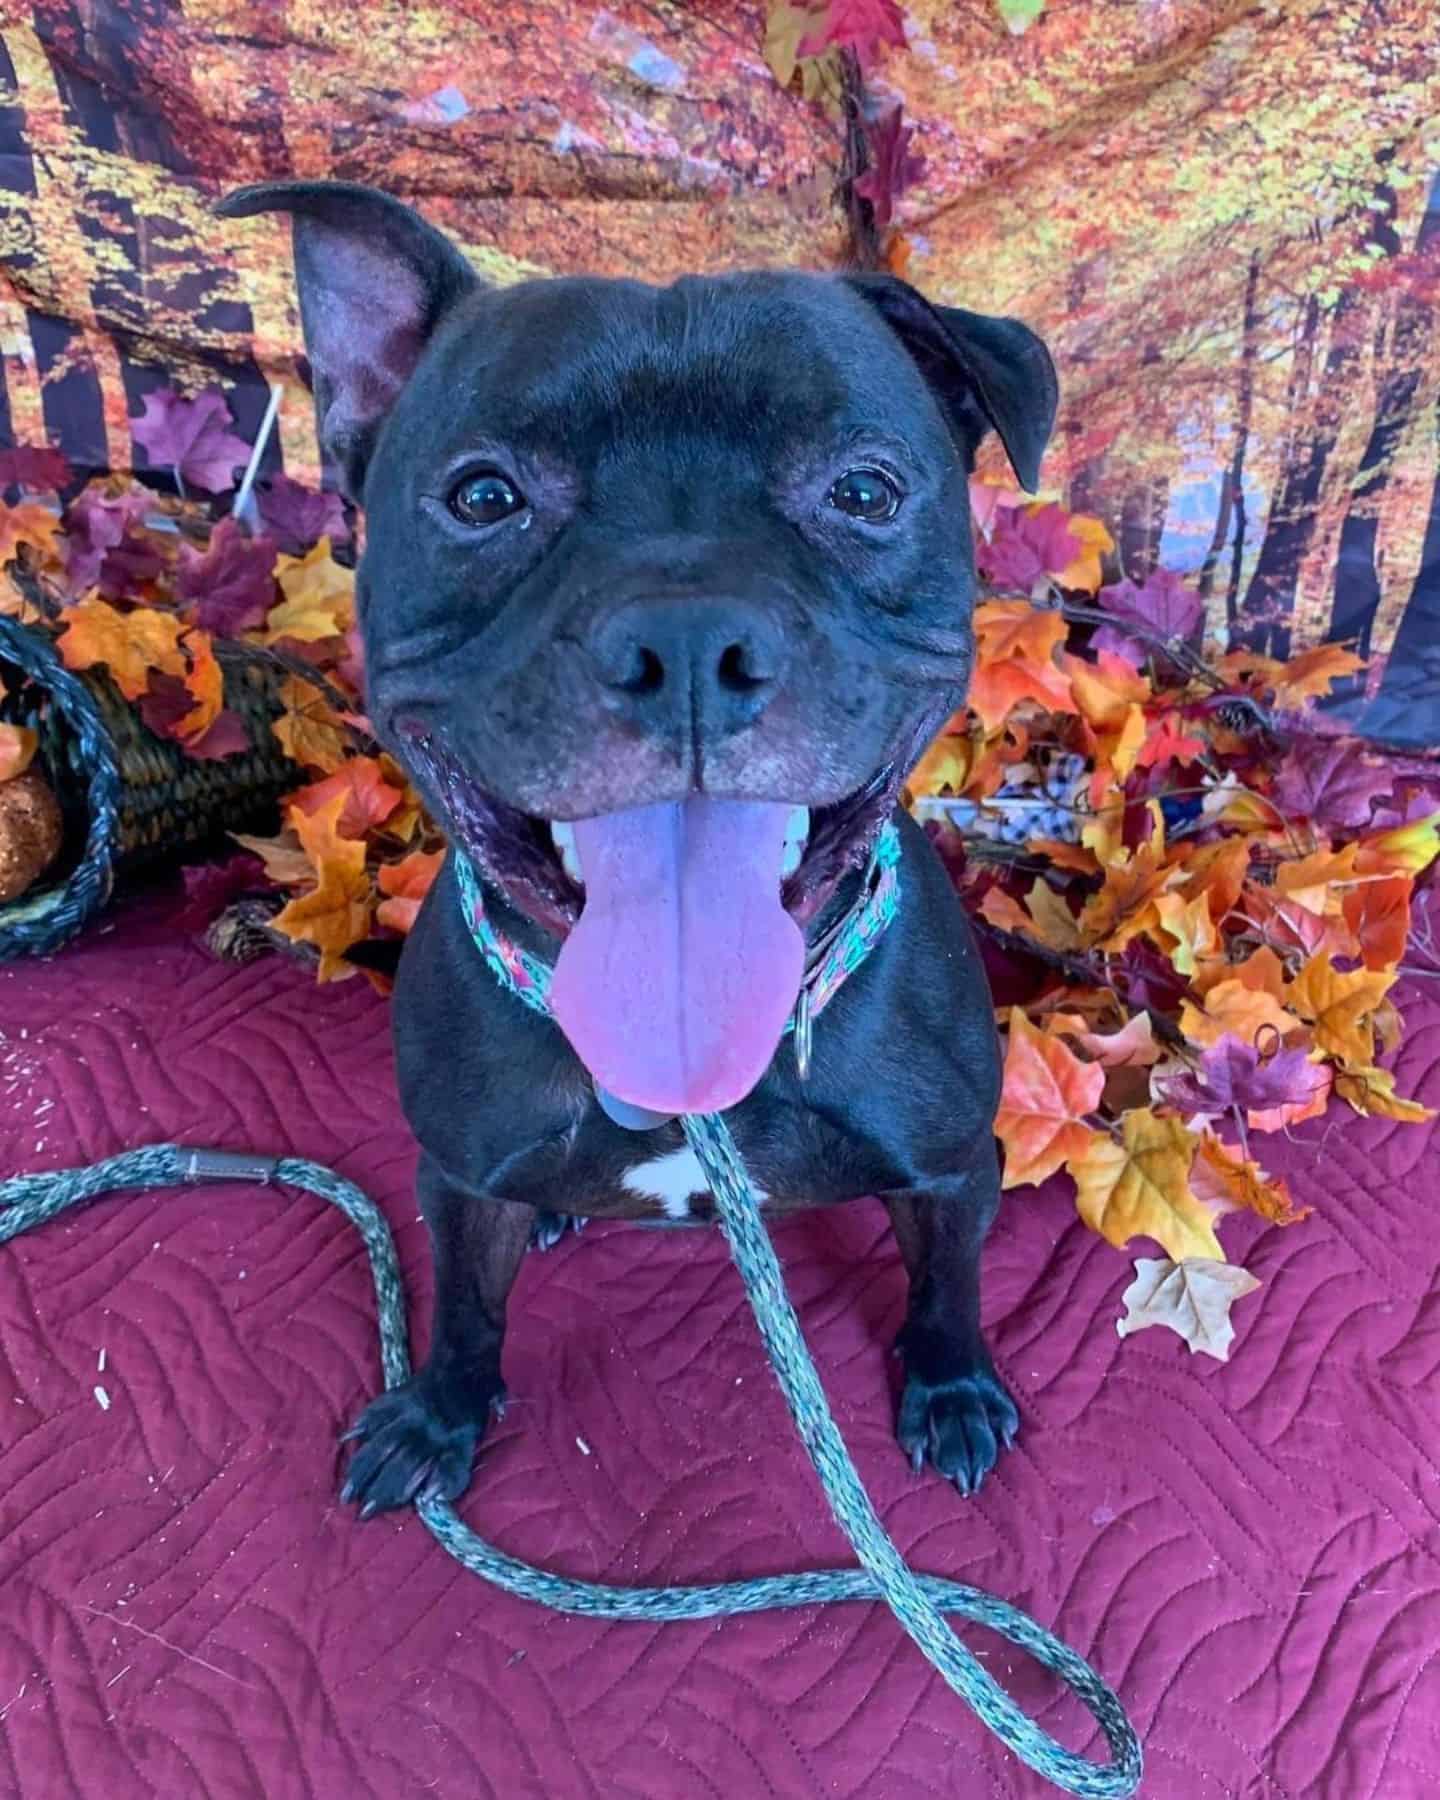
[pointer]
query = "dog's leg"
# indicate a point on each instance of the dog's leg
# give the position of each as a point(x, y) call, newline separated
point(421, 1438)
point(954, 1409)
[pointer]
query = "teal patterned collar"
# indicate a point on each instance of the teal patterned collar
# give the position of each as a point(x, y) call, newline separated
point(832, 962)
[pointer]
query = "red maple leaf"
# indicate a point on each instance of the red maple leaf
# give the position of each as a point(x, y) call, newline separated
point(858, 25)
point(1331, 781)
point(297, 518)
point(893, 170)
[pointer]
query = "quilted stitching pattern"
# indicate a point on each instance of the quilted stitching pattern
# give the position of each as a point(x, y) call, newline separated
point(1250, 1553)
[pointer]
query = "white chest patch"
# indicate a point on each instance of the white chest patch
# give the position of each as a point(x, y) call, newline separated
point(674, 1181)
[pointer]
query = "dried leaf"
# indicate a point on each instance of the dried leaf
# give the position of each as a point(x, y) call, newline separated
point(1047, 1094)
point(893, 169)
point(336, 913)
point(368, 799)
point(28, 523)
point(1140, 1187)
point(1193, 1298)
point(1230, 1184)
point(1372, 1091)
point(1378, 913)
point(129, 644)
point(1312, 673)
point(1233, 1007)
point(309, 730)
point(1338, 1006)
point(405, 884)
point(319, 597)
point(286, 863)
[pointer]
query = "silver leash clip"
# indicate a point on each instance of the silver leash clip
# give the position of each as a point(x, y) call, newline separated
point(229, 1165)
point(803, 1034)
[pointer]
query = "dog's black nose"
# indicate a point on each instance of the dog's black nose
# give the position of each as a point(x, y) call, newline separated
point(690, 665)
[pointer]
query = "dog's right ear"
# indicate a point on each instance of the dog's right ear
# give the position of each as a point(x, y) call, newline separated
point(374, 281)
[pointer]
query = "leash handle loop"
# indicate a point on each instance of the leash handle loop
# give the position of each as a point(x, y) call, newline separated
point(918, 1601)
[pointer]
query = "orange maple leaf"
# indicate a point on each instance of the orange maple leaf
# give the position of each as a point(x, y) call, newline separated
point(1189, 924)
point(129, 644)
point(336, 912)
point(1312, 673)
point(1126, 905)
point(1140, 1187)
point(1338, 1005)
point(1378, 912)
point(1232, 1006)
point(997, 688)
point(1015, 628)
point(1231, 1184)
point(1106, 690)
point(406, 883)
point(28, 523)
point(368, 798)
point(1047, 1094)
point(206, 681)
point(309, 730)
point(1085, 572)
point(1133, 1046)
point(1168, 742)
point(1218, 871)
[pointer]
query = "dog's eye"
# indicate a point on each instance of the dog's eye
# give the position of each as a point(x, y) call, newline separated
point(485, 499)
point(866, 494)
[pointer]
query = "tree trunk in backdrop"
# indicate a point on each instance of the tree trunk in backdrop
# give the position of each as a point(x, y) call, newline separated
point(1270, 596)
point(1357, 577)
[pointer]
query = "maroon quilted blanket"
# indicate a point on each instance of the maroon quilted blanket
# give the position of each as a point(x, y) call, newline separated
point(1249, 1552)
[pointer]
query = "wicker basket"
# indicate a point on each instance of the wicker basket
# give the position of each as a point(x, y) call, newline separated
point(130, 799)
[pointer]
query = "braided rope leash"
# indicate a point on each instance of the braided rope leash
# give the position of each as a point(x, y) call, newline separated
point(918, 1601)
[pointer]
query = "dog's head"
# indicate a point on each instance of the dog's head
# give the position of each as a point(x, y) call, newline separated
point(684, 571)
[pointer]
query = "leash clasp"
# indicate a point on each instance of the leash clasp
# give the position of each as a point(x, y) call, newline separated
point(804, 1032)
point(229, 1165)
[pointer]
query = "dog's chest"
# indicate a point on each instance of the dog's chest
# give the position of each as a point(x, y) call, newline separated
point(599, 1170)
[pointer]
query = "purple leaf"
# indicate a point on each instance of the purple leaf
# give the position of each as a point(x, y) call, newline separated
point(297, 518)
point(893, 169)
point(1235, 1074)
point(42, 470)
point(165, 702)
point(1161, 607)
point(95, 525)
point(226, 737)
point(1149, 978)
point(231, 582)
point(192, 437)
point(210, 887)
point(1024, 547)
point(1331, 781)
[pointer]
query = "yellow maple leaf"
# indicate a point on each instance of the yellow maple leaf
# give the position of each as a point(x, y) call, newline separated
point(1189, 923)
point(319, 597)
point(1409, 848)
point(1140, 1187)
point(1053, 922)
point(1320, 881)
point(1338, 1006)
point(1312, 673)
point(1086, 571)
point(1372, 1091)
point(1126, 905)
point(129, 644)
point(946, 764)
point(336, 913)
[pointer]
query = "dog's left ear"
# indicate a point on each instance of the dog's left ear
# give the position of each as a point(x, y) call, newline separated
point(374, 281)
point(985, 372)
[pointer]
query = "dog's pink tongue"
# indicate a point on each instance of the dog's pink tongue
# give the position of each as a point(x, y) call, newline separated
point(675, 985)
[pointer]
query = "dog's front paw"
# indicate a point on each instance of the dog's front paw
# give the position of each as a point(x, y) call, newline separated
point(413, 1442)
point(959, 1425)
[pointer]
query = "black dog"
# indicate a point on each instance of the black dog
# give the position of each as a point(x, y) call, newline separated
point(675, 565)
